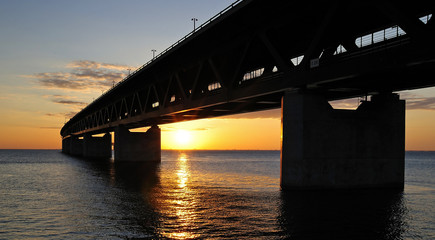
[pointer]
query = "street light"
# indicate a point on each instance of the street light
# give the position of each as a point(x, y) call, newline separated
point(194, 25)
point(154, 53)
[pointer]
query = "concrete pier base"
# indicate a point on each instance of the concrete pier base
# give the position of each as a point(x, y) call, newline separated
point(325, 148)
point(134, 146)
point(97, 147)
point(76, 146)
point(66, 145)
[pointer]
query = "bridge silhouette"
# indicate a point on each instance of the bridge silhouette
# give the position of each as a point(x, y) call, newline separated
point(294, 55)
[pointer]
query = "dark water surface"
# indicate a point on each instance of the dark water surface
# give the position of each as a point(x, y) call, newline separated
point(45, 194)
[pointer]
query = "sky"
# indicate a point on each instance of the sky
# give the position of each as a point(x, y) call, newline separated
point(57, 56)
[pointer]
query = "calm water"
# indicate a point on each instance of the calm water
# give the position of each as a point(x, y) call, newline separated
point(200, 194)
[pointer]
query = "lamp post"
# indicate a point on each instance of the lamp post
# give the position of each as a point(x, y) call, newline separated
point(194, 23)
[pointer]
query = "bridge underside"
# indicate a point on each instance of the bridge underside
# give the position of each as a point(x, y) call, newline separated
point(296, 55)
point(321, 147)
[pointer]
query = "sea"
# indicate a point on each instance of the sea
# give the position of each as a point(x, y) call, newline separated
point(45, 194)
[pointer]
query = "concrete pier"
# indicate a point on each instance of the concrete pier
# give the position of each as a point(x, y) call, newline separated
point(76, 146)
point(325, 148)
point(66, 145)
point(134, 146)
point(97, 147)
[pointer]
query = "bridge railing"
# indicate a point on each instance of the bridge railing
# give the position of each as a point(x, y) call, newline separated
point(190, 34)
point(172, 46)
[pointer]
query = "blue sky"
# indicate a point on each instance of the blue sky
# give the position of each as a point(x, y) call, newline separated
point(38, 34)
point(48, 36)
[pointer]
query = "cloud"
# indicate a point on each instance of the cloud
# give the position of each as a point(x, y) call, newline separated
point(69, 102)
point(170, 129)
point(53, 114)
point(66, 100)
point(420, 103)
point(274, 114)
point(95, 65)
point(60, 81)
point(66, 115)
point(415, 101)
point(84, 75)
point(50, 127)
point(350, 103)
point(69, 115)
point(200, 129)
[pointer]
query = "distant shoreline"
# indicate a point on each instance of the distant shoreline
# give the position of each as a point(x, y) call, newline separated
point(198, 150)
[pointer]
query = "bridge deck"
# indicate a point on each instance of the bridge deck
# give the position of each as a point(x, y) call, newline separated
point(249, 55)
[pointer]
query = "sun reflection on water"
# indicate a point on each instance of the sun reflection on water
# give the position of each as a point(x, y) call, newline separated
point(182, 202)
point(182, 172)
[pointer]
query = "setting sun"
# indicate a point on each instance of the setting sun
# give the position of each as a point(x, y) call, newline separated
point(183, 137)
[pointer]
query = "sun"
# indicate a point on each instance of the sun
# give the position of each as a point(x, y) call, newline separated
point(183, 137)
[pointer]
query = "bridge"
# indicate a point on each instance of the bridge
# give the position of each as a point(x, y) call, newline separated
point(294, 55)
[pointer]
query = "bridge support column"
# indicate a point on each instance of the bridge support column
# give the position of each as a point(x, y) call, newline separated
point(134, 146)
point(66, 145)
point(76, 146)
point(97, 147)
point(324, 148)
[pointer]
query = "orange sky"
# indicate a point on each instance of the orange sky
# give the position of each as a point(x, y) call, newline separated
point(245, 132)
point(420, 130)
